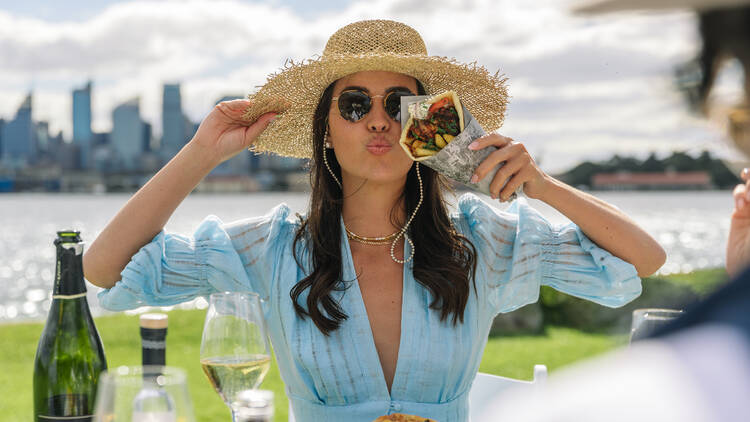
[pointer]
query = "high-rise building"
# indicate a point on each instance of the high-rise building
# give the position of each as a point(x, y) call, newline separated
point(41, 135)
point(239, 164)
point(82, 123)
point(69, 156)
point(100, 138)
point(2, 125)
point(147, 133)
point(19, 146)
point(190, 128)
point(173, 122)
point(127, 134)
point(256, 162)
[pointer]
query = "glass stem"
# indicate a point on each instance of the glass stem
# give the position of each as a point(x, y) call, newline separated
point(234, 414)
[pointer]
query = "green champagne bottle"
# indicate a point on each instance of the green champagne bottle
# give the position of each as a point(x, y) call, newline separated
point(69, 357)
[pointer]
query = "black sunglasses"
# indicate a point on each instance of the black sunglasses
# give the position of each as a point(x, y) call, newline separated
point(355, 104)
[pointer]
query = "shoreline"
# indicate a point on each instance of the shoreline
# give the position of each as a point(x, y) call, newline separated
point(695, 278)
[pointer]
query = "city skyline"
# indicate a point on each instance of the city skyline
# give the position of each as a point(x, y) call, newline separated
point(33, 159)
point(25, 141)
point(582, 88)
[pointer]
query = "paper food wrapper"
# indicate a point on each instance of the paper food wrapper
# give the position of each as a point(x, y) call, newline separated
point(456, 161)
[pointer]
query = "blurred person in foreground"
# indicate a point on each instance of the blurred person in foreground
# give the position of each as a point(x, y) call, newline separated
point(696, 369)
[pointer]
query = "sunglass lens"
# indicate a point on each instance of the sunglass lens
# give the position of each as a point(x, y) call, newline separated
point(393, 104)
point(353, 105)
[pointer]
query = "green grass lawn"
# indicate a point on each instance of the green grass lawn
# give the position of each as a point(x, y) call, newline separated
point(703, 281)
point(510, 356)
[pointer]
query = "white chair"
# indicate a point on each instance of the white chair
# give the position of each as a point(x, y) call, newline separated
point(291, 415)
point(486, 388)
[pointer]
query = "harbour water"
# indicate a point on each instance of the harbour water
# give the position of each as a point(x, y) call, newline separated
point(691, 226)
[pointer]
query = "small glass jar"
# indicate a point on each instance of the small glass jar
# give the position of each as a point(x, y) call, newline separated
point(646, 321)
point(254, 406)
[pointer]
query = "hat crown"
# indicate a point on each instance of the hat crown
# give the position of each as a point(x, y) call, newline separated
point(375, 36)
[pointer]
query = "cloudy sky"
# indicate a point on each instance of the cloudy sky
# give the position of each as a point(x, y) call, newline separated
point(582, 87)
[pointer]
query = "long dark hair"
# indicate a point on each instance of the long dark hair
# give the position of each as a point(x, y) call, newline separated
point(444, 260)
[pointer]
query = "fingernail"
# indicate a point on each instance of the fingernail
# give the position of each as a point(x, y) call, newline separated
point(739, 203)
point(747, 195)
point(273, 118)
point(474, 145)
point(474, 178)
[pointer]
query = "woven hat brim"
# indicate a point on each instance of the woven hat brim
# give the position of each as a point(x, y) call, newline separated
point(295, 91)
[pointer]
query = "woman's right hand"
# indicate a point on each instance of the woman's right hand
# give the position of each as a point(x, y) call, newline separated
point(225, 133)
point(221, 135)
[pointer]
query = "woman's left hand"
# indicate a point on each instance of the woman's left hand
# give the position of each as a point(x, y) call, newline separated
point(738, 244)
point(519, 168)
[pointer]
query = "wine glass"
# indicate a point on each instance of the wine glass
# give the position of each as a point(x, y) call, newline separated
point(143, 394)
point(234, 349)
point(645, 321)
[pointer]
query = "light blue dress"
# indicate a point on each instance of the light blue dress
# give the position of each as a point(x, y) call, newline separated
point(339, 378)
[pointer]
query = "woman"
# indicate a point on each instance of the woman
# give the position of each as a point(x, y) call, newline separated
point(377, 301)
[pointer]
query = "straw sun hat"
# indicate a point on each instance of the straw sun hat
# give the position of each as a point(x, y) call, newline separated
point(295, 91)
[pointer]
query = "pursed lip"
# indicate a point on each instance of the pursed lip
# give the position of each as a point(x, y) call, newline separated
point(379, 146)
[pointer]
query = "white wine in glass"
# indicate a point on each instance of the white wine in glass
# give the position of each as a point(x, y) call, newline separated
point(230, 375)
point(234, 349)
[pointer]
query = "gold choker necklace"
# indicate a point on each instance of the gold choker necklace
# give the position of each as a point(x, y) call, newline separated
point(371, 240)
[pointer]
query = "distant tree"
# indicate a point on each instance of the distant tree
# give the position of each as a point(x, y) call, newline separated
point(679, 161)
point(612, 162)
point(721, 176)
point(652, 164)
point(705, 160)
point(618, 163)
point(581, 174)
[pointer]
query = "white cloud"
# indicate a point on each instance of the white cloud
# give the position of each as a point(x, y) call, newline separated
point(135, 47)
point(582, 86)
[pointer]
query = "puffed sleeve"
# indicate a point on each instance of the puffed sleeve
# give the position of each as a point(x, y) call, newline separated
point(173, 268)
point(519, 251)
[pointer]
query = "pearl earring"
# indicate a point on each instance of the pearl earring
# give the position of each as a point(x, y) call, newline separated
point(328, 145)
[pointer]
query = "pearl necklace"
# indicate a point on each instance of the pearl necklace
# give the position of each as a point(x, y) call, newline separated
point(379, 240)
point(406, 226)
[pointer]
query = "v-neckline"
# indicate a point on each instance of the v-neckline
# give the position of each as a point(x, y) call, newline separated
point(364, 323)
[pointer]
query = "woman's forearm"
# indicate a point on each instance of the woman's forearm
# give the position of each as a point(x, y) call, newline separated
point(145, 214)
point(606, 226)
